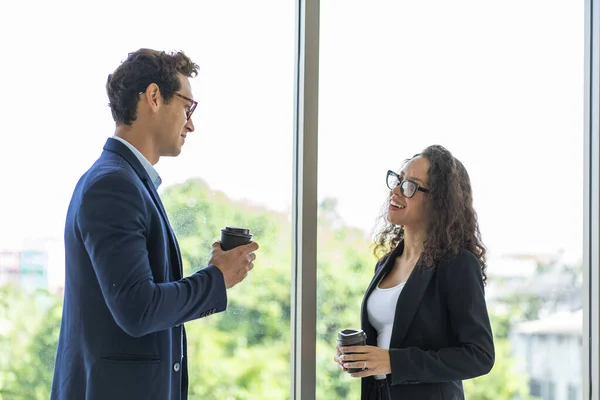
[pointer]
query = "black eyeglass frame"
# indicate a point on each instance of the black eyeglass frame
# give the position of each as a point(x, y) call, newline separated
point(401, 181)
point(188, 113)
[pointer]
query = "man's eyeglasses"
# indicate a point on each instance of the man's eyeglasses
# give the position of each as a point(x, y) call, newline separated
point(408, 188)
point(188, 112)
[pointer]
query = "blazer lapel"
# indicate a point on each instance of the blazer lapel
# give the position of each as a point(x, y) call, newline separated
point(409, 300)
point(117, 147)
point(158, 202)
point(381, 270)
point(387, 265)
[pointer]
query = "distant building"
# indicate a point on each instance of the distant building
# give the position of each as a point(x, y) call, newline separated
point(549, 350)
point(553, 281)
point(9, 268)
point(27, 269)
point(507, 275)
point(36, 263)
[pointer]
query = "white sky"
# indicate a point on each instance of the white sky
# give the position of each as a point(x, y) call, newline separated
point(500, 83)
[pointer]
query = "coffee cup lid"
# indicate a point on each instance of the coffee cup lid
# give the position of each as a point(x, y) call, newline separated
point(237, 231)
point(350, 332)
point(351, 337)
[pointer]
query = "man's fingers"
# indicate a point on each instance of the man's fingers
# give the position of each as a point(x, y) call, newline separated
point(217, 245)
point(250, 247)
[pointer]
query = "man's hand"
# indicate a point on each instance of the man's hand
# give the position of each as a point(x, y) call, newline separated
point(235, 263)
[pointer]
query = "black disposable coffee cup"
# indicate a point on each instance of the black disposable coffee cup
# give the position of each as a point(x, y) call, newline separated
point(232, 237)
point(352, 337)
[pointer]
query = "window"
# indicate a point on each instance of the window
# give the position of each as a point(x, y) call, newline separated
point(506, 99)
point(500, 85)
point(234, 169)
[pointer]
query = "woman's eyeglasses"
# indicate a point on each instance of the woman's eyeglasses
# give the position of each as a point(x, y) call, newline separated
point(408, 188)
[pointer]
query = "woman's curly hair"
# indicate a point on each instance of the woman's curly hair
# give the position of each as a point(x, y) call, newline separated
point(452, 219)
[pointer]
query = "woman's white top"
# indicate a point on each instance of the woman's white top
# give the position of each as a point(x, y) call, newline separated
point(381, 308)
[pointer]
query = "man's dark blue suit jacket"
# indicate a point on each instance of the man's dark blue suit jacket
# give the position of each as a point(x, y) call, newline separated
point(122, 334)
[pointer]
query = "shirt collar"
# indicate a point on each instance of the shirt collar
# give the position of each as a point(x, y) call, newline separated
point(152, 173)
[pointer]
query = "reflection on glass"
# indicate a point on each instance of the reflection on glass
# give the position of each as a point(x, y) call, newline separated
point(508, 103)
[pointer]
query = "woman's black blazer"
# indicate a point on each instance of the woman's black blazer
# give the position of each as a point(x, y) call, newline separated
point(441, 333)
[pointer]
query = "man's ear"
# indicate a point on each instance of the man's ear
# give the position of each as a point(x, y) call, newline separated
point(153, 97)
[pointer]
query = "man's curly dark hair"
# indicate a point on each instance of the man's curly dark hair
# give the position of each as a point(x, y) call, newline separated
point(453, 221)
point(140, 69)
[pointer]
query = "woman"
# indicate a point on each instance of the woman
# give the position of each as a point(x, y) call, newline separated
point(424, 312)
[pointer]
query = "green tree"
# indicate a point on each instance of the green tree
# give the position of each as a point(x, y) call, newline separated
point(242, 354)
point(28, 347)
point(503, 382)
point(248, 346)
point(345, 269)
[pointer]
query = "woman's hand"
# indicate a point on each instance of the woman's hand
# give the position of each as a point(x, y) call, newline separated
point(337, 358)
point(376, 361)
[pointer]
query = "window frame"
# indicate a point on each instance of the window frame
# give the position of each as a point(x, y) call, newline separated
point(591, 206)
point(304, 206)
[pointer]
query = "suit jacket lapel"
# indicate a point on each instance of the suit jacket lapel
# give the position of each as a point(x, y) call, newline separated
point(380, 271)
point(117, 147)
point(384, 268)
point(158, 202)
point(409, 300)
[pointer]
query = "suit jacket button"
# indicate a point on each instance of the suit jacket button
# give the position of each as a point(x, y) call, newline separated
point(176, 367)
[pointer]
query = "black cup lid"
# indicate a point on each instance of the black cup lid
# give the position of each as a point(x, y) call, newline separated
point(351, 337)
point(347, 333)
point(236, 230)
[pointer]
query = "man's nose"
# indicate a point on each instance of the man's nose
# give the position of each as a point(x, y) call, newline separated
point(190, 125)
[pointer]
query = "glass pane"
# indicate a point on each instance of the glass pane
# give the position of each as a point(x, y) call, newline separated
point(499, 86)
point(234, 170)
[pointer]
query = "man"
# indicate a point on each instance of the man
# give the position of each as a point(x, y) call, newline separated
point(122, 334)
